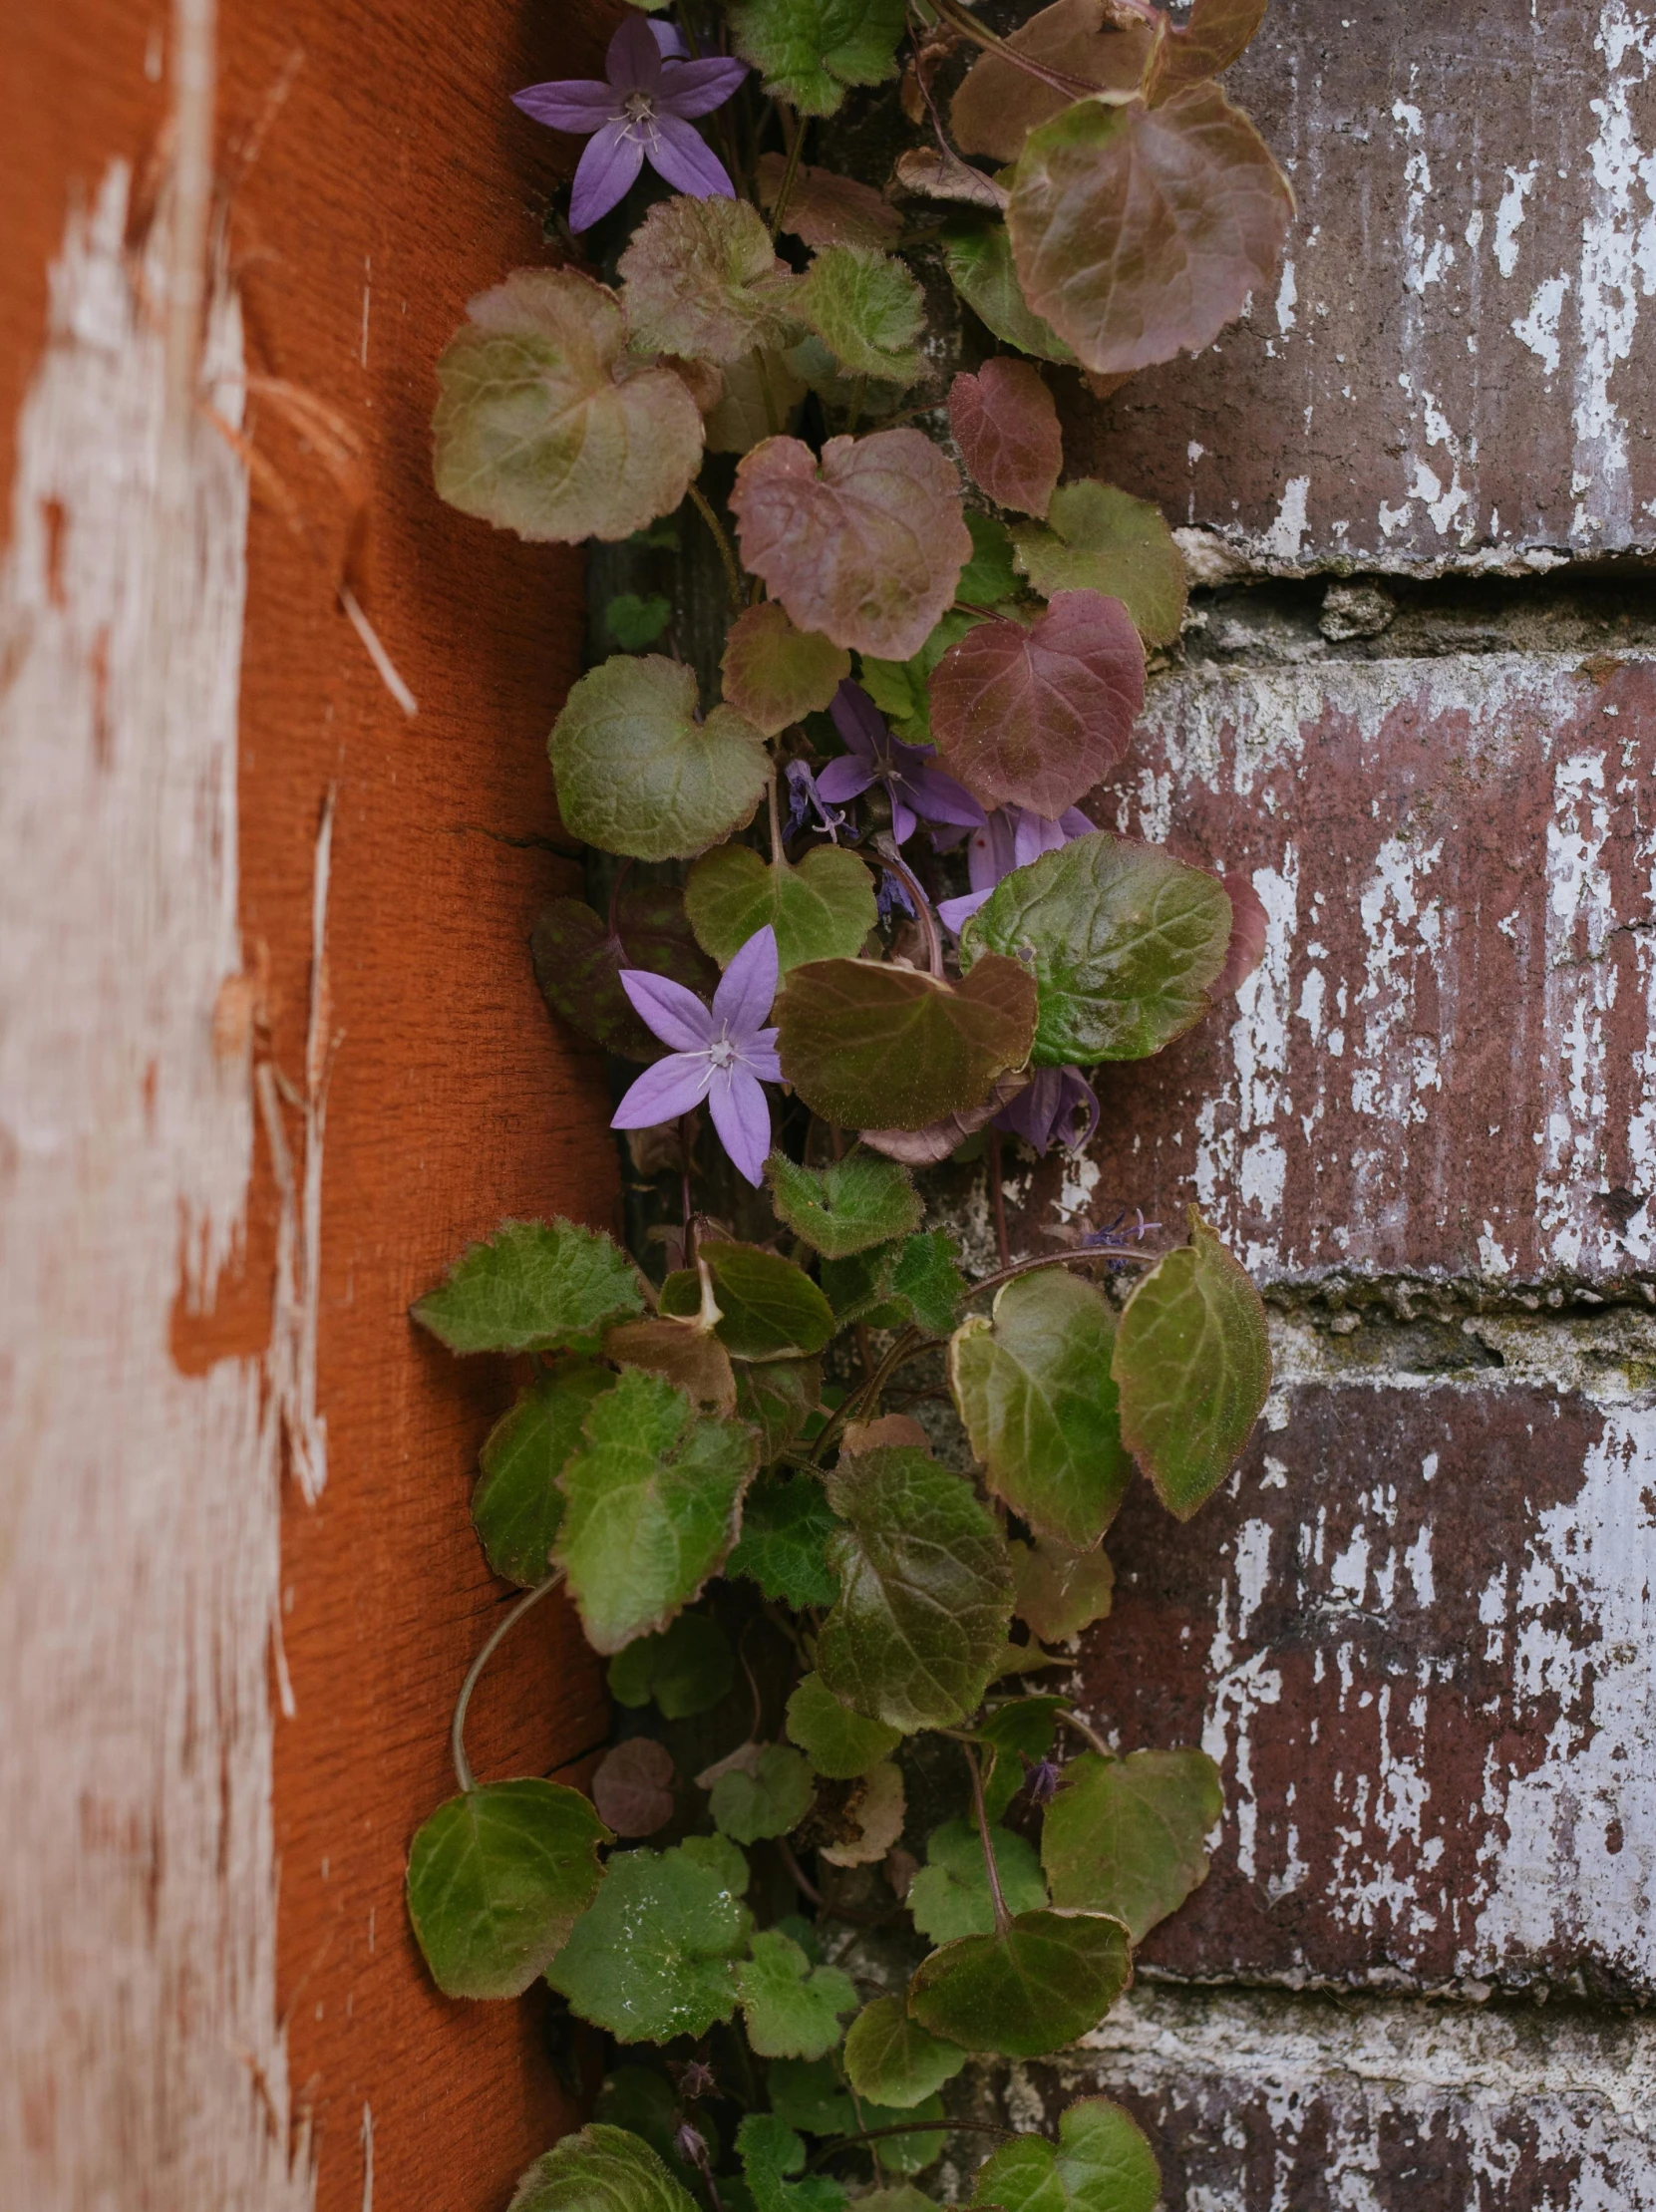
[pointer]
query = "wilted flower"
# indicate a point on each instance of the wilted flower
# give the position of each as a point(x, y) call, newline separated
point(1011, 838)
point(918, 790)
point(722, 1053)
point(641, 115)
point(804, 800)
point(690, 2143)
point(1058, 1105)
point(891, 896)
point(1042, 1782)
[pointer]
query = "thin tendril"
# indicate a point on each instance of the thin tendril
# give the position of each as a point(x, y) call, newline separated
point(1062, 1259)
point(886, 847)
point(733, 573)
point(508, 1620)
point(997, 1896)
point(789, 173)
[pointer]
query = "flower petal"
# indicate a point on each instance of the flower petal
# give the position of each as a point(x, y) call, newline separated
point(938, 797)
point(669, 40)
point(1074, 824)
point(697, 87)
point(672, 1013)
point(742, 1115)
point(992, 852)
point(679, 153)
point(905, 821)
point(859, 721)
point(633, 62)
point(953, 913)
point(748, 987)
point(662, 1092)
point(578, 104)
point(604, 175)
point(842, 779)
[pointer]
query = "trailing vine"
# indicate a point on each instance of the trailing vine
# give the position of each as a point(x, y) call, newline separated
point(854, 922)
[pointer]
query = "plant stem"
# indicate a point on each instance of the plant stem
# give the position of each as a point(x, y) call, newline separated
point(689, 1213)
point(1062, 1259)
point(997, 1896)
point(776, 819)
point(508, 1620)
point(907, 2127)
point(733, 573)
point(1074, 88)
point(997, 1193)
point(789, 173)
point(890, 857)
point(1086, 1732)
point(910, 1341)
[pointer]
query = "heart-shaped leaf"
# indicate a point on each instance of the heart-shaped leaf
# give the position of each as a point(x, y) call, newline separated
point(543, 427)
point(517, 1506)
point(703, 281)
point(1124, 942)
point(1097, 539)
point(496, 1878)
point(769, 1309)
point(638, 775)
point(866, 546)
point(867, 310)
point(769, 2149)
point(925, 1592)
point(876, 1047)
point(785, 1528)
point(978, 257)
point(999, 104)
point(577, 963)
point(949, 1897)
point(1048, 1979)
point(1103, 2163)
point(1035, 1393)
point(685, 1670)
point(632, 1787)
point(778, 1398)
point(1034, 714)
point(655, 1956)
point(1006, 427)
point(824, 209)
point(766, 1798)
point(1126, 1837)
point(1193, 1363)
point(1059, 1592)
point(1139, 233)
point(652, 1508)
point(775, 674)
point(891, 2059)
point(683, 1353)
point(822, 909)
point(847, 1205)
point(837, 1742)
point(809, 51)
point(1208, 41)
point(758, 401)
point(602, 2169)
point(793, 2010)
point(534, 1286)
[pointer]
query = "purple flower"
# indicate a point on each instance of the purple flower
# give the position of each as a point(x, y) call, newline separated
point(1011, 838)
point(915, 789)
point(804, 800)
point(892, 896)
point(1050, 1106)
point(641, 115)
point(722, 1055)
point(1043, 1782)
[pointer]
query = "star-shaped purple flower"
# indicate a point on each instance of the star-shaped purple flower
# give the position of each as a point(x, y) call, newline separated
point(918, 791)
point(722, 1054)
point(641, 115)
point(1011, 838)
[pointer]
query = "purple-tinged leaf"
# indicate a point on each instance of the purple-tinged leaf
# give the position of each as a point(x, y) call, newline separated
point(931, 173)
point(1249, 927)
point(828, 210)
point(1096, 538)
point(577, 963)
point(1208, 41)
point(775, 674)
point(758, 401)
point(682, 1354)
point(703, 281)
point(633, 1786)
point(1006, 427)
point(925, 1147)
point(999, 104)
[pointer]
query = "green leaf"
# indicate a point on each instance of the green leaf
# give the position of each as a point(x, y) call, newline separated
point(681, 1353)
point(646, 2103)
point(760, 395)
point(777, 1397)
point(928, 1281)
point(1034, 1390)
point(1103, 2163)
point(874, 1047)
point(868, 1821)
point(793, 2010)
point(1060, 1592)
point(543, 429)
point(838, 1742)
point(825, 209)
point(577, 963)
point(867, 309)
point(769, 1308)
point(809, 51)
point(999, 102)
point(978, 257)
point(703, 282)
point(685, 1670)
point(534, 1286)
point(925, 1591)
point(908, 2152)
point(1126, 1837)
point(602, 2169)
point(1048, 1979)
point(785, 1528)
point(1022, 1729)
point(808, 2093)
point(655, 1956)
point(989, 576)
point(898, 2196)
point(847, 1205)
point(770, 1799)
point(821, 910)
point(891, 2059)
point(1193, 1363)
point(653, 1505)
point(517, 1505)
point(496, 1878)
point(775, 674)
point(902, 690)
point(769, 2149)
point(858, 1288)
point(1139, 233)
point(1096, 538)
point(638, 775)
point(949, 1896)
point(1122, 940)
point(633, 623)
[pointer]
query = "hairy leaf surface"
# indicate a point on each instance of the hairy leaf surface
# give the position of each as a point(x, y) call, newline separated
point(775, 674)
point(778, 1398)
point(867, 309)
point(1050, 1979)
point(811, 50)
point(949, 1897)
point(999, 104)
point(785, 1528)
point(758, 401)
point(1006, 425)
point(770, 1309)
point(847, 1205)
point(681, 1353)
point(1103, 2163)
point(577, 963)
point(837, 1742)
point(979, 257)
point(791, 2008)
point(517, 1505)
point(1059, 1592)
point(602, 2169)
point(655, 1956)
point(703, 281)
point(1127, 1836)
point(534, 1286)
point(822, 909)
point(894, 2060)
point(1097, 539)
point(496, 1878)
point(825, 209)
point(537, 433)
point(686, 1668)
